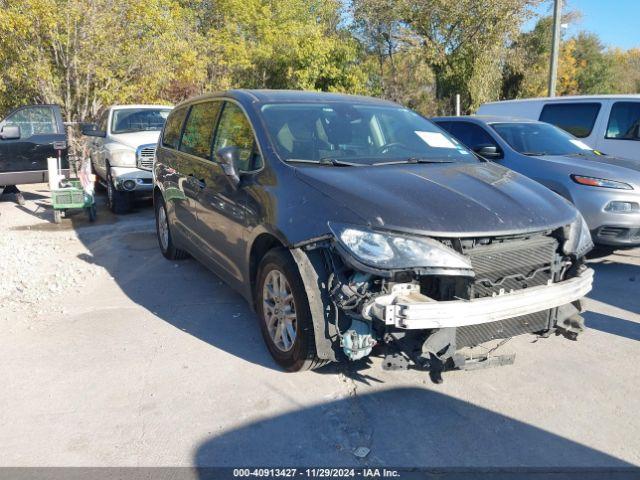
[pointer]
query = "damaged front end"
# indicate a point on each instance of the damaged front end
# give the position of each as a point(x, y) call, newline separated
point(428, 299)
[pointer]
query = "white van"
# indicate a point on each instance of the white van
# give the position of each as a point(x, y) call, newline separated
point(608, 123)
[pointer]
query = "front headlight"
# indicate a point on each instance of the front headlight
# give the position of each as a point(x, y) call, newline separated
point(385, 250)
point(123, 158)
point(578, 240)
point(600, 182)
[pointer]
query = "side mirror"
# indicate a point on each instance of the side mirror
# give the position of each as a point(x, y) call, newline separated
point(229, 158)
point(91, 130)
point(10, 132)
point(487, 151)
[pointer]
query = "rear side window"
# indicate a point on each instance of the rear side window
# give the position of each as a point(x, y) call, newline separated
point(33, 121)
point(198, 131)
point(173, 128)
point(624, 121)
point(470, 134)
point(576, 118)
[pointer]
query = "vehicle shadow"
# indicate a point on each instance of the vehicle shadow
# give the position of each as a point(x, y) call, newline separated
point(402, 427)
point(613, 325)
point(184, 294)
point(616, 276)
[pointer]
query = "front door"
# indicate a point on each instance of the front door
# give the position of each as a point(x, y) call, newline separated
point(222, 217)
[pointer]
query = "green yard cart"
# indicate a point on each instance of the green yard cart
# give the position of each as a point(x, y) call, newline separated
point(70, 195)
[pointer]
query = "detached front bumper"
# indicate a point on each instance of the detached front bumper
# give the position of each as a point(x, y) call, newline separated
point(412, 311)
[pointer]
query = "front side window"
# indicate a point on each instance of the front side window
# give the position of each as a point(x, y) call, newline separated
point(624, 121)
point(126, 120)
point(198, 131)
point(173, 128)
point(234, 130)
point(576, 118)
point(33, 121)
point(540, 139)
point(358, 133)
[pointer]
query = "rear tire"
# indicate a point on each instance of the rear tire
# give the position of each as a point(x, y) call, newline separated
point(119, 202)
point(163, 232)
point(98, 186)
point(287, 305)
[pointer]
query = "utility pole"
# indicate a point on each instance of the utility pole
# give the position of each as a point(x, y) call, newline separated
point(555, 47)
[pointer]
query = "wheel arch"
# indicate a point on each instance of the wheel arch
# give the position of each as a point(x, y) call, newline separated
point(259, 248)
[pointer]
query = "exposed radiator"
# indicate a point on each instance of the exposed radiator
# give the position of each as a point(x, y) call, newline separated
point(512, 265)
point(473, 335)
point(509, 265)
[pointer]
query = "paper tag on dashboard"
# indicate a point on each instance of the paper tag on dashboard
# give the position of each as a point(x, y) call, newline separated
point(435, 139)
point(580, 144)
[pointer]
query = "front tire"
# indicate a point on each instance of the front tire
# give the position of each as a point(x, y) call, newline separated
point(284, 313)
point(163, 232)
point(119, 202)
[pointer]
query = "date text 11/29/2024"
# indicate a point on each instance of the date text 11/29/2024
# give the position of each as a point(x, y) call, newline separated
point(317, 472)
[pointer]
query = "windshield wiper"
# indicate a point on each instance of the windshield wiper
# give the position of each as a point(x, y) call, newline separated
point(534, 154)
point(326, 161)
point(412, 160)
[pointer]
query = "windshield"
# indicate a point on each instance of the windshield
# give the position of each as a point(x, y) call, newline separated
point(342, 132)
point(540, 139)
point(138, 119)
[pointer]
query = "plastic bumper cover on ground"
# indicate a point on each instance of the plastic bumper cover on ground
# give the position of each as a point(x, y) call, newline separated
point(409, 314)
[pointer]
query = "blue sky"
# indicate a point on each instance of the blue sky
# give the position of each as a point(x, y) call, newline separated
point(617, 22)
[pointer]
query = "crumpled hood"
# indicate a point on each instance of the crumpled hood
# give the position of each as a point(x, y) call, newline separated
point(135, 139)
point(442, 200)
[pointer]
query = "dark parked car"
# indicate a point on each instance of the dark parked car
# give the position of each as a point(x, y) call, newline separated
point(28, 136)
point(349, 221)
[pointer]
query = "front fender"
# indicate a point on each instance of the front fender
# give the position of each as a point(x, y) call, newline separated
point(314, 277)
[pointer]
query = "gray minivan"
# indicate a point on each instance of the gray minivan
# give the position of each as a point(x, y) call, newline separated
point(350, 222)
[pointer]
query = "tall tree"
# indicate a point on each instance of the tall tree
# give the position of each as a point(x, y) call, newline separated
point(595, 66)
point(86, 54)
point(397, 69)
point(464, 43)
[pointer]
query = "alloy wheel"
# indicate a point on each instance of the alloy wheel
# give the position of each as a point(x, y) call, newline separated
point(163, 228)
point(279, 310)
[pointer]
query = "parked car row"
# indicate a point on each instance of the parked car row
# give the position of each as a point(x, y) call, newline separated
point(609, 123)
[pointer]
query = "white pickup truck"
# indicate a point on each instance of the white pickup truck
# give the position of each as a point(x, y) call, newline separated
point(122, 147)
